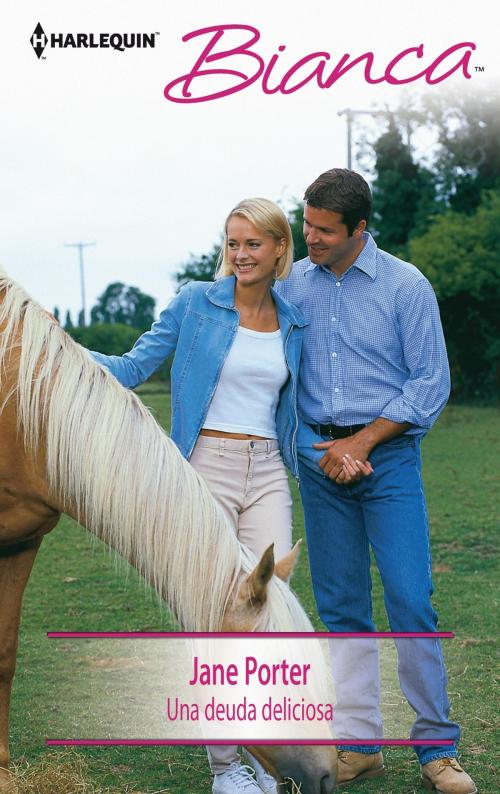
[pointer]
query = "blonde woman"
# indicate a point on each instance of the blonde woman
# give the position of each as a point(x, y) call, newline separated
point(234, 375)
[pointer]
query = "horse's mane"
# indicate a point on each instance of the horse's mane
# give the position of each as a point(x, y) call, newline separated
point(109, 459)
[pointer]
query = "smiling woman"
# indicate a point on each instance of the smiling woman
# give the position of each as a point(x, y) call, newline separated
point(234, 384)
point(252, 252)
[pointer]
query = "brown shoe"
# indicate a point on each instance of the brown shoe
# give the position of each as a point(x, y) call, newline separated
point(358, 766)
point(446, 776)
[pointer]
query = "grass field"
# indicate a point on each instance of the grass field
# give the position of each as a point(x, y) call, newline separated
point(78, 586)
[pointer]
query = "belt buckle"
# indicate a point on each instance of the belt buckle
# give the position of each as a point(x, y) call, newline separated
point(330, 433)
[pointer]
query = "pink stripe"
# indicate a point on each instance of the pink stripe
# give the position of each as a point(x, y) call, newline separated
point(147, 635)
point(246, 741)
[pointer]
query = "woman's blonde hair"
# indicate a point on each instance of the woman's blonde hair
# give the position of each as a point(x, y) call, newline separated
point(269, 219)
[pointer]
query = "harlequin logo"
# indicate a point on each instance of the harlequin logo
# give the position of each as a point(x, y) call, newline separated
point(38, 40)
point(115, 41)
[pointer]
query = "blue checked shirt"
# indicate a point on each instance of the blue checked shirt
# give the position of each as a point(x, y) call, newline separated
point(374, 345)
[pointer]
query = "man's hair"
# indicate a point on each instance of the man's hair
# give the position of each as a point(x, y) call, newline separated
point(343, 191)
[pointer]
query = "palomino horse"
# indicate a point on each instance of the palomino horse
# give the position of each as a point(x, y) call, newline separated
point(73, 440)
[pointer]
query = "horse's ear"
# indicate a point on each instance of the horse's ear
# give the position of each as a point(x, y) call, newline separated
point(285, 567)
point(258, 580)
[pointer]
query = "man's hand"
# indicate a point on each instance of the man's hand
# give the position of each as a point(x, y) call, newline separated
point(345, 459)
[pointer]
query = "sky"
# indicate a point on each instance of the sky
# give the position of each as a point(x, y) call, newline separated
point(91, 151)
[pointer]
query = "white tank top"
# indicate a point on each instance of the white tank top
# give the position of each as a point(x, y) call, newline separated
point(247, 394)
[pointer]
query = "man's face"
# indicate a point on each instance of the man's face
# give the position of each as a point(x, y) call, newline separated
point(327, 239)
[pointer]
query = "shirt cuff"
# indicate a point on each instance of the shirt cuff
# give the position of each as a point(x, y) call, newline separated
point(400, 411)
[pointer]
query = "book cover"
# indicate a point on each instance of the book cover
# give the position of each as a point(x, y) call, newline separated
point(128, 133)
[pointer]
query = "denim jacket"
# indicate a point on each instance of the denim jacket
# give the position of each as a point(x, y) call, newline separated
point(200, 324)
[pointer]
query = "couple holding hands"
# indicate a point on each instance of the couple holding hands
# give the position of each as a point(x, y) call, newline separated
point(337, 371)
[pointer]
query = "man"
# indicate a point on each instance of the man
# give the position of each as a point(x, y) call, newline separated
point(374, 378)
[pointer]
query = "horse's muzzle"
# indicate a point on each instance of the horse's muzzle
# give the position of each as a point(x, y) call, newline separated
point(323, 785)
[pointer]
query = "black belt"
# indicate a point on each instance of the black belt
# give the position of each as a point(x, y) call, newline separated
point(337, 431)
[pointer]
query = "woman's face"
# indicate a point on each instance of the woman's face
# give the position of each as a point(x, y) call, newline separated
point(252, 254)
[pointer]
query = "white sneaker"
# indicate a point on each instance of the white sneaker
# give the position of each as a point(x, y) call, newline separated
point(236, 779)
point(266, 781)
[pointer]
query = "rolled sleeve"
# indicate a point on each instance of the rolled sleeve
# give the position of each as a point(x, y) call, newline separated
point(425, 393)
point(151, 349)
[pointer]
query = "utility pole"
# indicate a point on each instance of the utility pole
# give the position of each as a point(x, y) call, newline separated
point(80, 247)
point(350, 115)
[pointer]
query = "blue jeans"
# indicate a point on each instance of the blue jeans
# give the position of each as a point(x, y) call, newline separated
point(386, 511)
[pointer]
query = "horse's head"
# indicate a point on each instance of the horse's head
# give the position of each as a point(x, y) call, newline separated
point(249, 597)
point(312, 769)
point(306, 769)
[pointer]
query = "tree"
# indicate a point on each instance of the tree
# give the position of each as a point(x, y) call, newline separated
point(467, 155)
point(199, 268)
point(403, 192)
point(125, 305)
point(68, 323)
point(459, 254)
point(57, 314)
point(296, 220)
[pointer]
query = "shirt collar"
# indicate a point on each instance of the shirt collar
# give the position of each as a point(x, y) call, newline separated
point(366, 260)
point(221, 293)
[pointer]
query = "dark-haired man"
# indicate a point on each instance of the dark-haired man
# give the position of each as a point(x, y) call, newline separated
point(374, 378)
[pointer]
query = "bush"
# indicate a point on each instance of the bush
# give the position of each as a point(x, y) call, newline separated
point(460, 255)
point(113, 339)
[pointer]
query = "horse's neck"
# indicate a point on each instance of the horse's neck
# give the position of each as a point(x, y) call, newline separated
point(102, 458)
point(26, 508)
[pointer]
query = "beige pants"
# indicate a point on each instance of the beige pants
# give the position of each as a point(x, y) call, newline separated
point(249, 481)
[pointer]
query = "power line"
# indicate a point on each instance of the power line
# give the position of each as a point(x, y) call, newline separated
point(80, 247)
point(350, 115)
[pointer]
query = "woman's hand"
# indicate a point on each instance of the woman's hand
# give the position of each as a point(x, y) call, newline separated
point(353, 470)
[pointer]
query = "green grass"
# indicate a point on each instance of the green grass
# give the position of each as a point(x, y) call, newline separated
point(78, 586)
